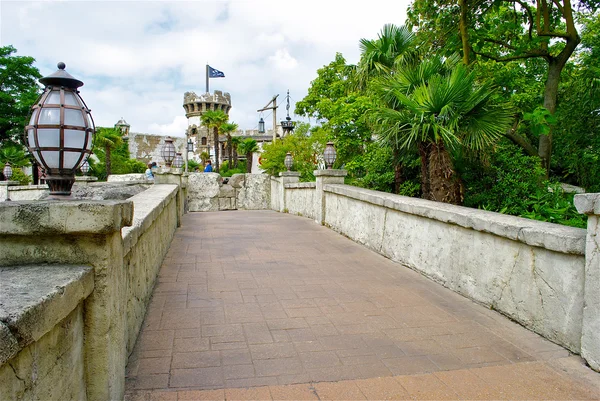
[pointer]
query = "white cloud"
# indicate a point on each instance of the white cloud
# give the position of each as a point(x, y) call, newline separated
point(137, 58)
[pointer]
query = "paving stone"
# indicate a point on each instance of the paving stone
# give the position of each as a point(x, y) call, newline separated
point(427, 387)
point(199, 377)
point(339, 391)
point(196, 360)
point(383, 388)
point(272, 351)
point(293, 392)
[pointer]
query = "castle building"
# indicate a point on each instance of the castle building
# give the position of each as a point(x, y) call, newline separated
point(194, 107)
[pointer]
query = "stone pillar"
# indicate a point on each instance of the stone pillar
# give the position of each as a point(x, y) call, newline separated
point(323, 178)
point(287, 177)
point(5, 190)
point(173, 176)
point(74, 232)
point(85, 180)
point(589, 204)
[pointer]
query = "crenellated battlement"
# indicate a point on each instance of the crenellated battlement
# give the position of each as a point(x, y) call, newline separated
point(195, 105)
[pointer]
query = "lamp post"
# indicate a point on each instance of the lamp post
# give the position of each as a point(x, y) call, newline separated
point(168, 151)
point(329, 155)
point(288, 161)
point(7, 171)
point(287, 125)
point(60, 131)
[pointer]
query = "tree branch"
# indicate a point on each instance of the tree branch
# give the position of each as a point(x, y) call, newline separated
point(531, 54)
point(555, 34)
point(529, 16)
point(560, 8)
point(520, 140)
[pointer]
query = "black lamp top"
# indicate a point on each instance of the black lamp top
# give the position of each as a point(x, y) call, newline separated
point(61, 78)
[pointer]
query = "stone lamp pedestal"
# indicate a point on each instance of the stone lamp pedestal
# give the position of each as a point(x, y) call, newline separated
point(323, 178)
point(5, 190)
point(85, 180)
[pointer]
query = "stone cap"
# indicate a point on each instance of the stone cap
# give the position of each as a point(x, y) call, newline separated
point(9, 183)
point(587, 203)
point(85, 178)
point(59, 217)
point(330, 173)
point(289, 174)
point(34, 299)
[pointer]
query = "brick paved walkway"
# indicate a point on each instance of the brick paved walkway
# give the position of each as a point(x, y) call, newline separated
point(262, 305)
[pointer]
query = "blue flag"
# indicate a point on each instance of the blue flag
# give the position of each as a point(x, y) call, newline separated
point(212, 73)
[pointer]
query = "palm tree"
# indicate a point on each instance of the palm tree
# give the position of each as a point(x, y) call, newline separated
point(235, 142)
point(394, 48)
point(435, 107)
point(227, 129)
point(214, 119)
point(109, 139)
point(248, 146)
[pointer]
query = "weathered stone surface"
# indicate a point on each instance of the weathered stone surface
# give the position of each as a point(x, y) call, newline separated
point(590, 338)
point(227, 191)
point(237, 180)
point(528, 270)
point(202, 188)
point(300, 199)
point(126, 177)
point(35, 298)
point(64, 217)
point(109, 191)
point(256, 194)
point(9, 346)
point(226, 203)
point(24, 192)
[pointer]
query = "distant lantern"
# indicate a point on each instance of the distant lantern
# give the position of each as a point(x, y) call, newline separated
point(60, 130)
point(168, 151)
point(329, 155)
point(190, 146)
point(288, 161)
point(85, 167)
point(178, 161)
point(261, 126)
point(287, 125)
point(7, 171)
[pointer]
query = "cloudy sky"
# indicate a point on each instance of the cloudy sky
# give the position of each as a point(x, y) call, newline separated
point(137, 58)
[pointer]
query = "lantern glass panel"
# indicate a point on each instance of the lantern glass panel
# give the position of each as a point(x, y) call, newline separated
point(48, 138)
point(89, 143)
point(74, 117)
point(74, 139)
point(50, 116)
point(51, 158)
point(37, 158)
point(70, 159)
point(33, 116)
point(30, 137)
point(53, 98)
point(71, 99)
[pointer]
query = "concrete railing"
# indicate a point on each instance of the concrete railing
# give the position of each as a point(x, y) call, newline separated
point(534, 272)
point(69, 335)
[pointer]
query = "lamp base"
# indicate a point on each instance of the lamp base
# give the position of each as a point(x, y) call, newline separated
point(60, 185)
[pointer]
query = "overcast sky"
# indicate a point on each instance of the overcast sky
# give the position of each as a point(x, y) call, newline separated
point(137, 58)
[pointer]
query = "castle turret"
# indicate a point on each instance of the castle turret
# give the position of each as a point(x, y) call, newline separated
point(194, 107)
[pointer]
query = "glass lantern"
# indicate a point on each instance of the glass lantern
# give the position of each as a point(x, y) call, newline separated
point(85, 167)
point(261, 126)
point(288, 161)
point(329, 155)
point(7, 171)
point(178, 161)
point(168, 151)
point(60, 130)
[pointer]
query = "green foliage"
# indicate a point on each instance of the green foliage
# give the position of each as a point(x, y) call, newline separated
point(120, 162)
point(14, 154)
point(228, 172)
point(248, 146)
point(18, 92)
point(372, 169)
point(192, 164)
point(540, 120)
point(306, 146)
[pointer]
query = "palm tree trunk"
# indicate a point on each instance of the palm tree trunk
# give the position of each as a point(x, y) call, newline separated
point(249, 162)
point(235, 157)
point(446, 185)
point(216, 139)
point(229, 151)
point(107, 160)
point(424, 154)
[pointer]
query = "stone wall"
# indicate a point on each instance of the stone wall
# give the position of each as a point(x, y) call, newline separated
point(146, 147)
point(531, 271)
point(300, 199)
point(124, 262)
point(24, 192)
point(207, 192)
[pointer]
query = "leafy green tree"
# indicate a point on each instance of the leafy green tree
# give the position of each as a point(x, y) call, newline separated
point(18, 92)
point(15, 154)
point(248, 146)
point(214, 119)
point(435, 107)
point(108, 139)
point(227, 129)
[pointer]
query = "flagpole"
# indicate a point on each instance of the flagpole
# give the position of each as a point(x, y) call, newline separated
point(207, 79)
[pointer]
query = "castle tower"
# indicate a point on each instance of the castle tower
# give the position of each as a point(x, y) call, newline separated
point(195, 106)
